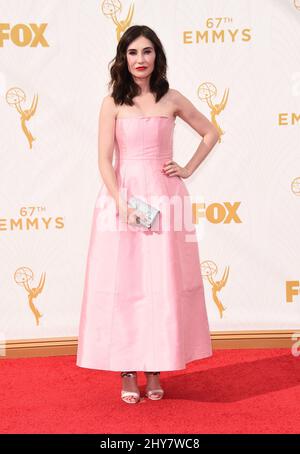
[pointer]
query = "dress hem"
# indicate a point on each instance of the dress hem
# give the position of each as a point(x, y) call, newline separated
point(143, 369)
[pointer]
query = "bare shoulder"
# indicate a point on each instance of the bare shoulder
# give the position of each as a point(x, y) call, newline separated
point(184, 107)
point(173, 95)
point(176, 96)
point(179, 101)
point(108, 107)
point(189, 113)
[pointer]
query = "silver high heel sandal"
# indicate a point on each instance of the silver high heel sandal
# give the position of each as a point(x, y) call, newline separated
point(130, 397)
point(154, 394)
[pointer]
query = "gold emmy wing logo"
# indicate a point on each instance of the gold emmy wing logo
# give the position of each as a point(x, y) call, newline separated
point(206, 92)
point(111, 8)
point(22, 277)
point(208, 269)
point(297, 4)
point(14, 97)
point(295, 186)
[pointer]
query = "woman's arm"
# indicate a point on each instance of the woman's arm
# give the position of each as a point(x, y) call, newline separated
point(106, 139)
point(210, 135)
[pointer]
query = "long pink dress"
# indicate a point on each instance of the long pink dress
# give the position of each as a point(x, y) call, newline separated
point(143, 306)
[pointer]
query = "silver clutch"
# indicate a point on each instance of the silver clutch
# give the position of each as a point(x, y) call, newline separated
point(148, 210)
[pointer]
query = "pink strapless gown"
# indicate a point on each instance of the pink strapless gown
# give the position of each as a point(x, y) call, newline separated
point(143, 305)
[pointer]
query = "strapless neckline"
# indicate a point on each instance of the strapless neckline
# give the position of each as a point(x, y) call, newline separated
point(169, 117)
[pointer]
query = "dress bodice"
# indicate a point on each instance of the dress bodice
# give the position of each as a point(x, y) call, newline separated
point(145, 137)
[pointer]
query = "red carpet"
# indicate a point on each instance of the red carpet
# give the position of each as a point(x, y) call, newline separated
point(235, 391)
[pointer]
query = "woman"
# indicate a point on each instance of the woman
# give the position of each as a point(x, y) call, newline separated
point(143, 304)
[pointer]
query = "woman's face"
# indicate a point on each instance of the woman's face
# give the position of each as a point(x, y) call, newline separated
point(140, 53)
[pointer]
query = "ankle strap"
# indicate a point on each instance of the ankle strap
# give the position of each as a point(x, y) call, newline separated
point(128, 374)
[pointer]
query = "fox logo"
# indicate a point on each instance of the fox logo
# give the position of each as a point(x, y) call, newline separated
point(23, 35)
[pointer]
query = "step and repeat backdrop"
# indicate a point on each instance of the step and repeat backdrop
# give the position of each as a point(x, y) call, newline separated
point(238, 61)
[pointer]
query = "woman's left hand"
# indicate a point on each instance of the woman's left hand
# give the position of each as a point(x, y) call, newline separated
point(171, 169)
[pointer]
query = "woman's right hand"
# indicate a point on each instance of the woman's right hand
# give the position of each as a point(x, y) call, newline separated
point(130, 215)
point(133, 216)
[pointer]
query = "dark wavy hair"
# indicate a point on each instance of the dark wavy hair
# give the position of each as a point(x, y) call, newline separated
point(123, 86)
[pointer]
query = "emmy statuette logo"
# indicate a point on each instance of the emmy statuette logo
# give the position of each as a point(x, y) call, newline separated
point(110, 8)
point(22, 277)
point(14, 97)
point(208, 270)
point(206, 92)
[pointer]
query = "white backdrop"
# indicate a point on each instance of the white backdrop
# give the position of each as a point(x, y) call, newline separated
point(52, 81)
